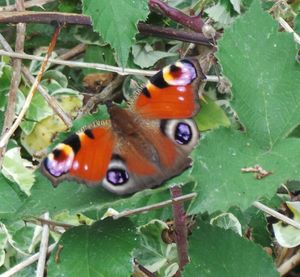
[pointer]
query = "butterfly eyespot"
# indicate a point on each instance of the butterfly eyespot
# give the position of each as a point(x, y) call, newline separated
point(117, 176)
point(59, 161)
point(180, 74)
point(183, 133)
point(174, 68)
point(118, 179)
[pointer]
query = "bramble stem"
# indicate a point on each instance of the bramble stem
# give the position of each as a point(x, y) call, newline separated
point(180, 228)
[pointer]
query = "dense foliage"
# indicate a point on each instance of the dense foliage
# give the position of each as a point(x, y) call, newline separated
point(248, 151)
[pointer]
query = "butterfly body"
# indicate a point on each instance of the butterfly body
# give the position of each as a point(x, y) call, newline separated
point(140, 147)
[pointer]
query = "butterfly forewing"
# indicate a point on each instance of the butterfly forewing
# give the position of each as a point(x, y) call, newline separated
point(171, 93)
point(84, 156)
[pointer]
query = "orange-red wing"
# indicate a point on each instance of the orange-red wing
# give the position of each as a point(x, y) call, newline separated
point(135, 162)
point(171, 92)
point(166, 148)
point(140, 165)
point(91, 161)
point(167, 103)
point(84, 156)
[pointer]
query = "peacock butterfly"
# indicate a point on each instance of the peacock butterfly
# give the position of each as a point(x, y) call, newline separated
point(141, 146)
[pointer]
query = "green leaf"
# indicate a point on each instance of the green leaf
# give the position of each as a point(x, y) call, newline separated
point(145, 56)
point(67, 196)
point(38, 110)
point(18, 170)
point(258, 225)
point(70, 6)
point(78, 219)
point(57, 76)
point(297, 23)
point(43, 131)
point(218, 161)
point(5, 76)
point(236, 5)
point(219, 14)
point(131, 85)
point(39, 35)
point(98, 54)
point(36, 65)
point(103, 249)
point(89, 38)
point(211, 116)
point(9, 200)
point(287, 235)
point(218, 252)
point(20, 235)
point(92, 202)
point(260, 63)
point(74, 198)
point(154, 253)
point(116, 22)
point(227, 221)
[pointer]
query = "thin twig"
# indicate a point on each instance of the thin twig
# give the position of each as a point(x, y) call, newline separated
point(193, 22)
point(77, 50)
point(40, 270)
point(105, 95)
point(276, 214)
point(288, 29)
point(144, 270)
point(180, 228)
point(32, 91)
point(43, 221)
point(15, 80)
point(119, 70)
point(45, 17)
point(71, 18)
point(288, 265)
point(155, 206)
point(28, 4)
point(28, 76)
point(12, 271)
